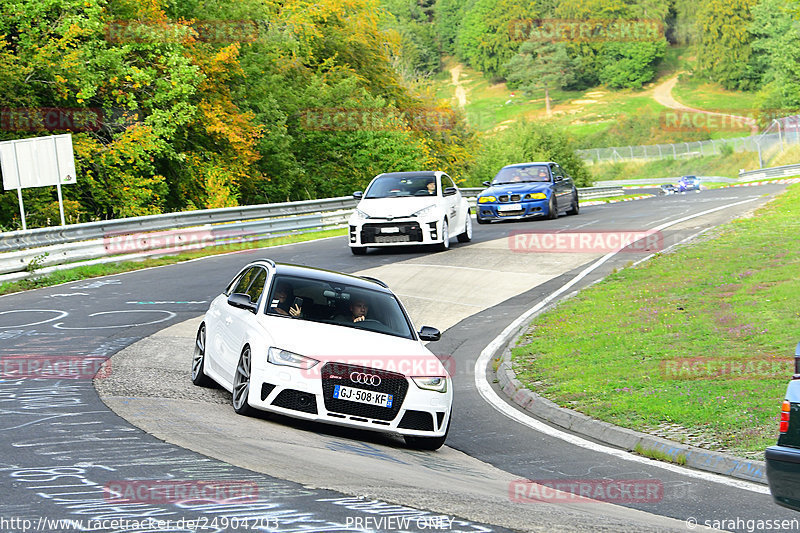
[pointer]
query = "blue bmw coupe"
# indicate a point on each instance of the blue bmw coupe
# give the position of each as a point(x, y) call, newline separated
point(528, 190)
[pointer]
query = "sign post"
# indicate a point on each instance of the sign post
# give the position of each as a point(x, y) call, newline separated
point(38, 162)
point(19, 190)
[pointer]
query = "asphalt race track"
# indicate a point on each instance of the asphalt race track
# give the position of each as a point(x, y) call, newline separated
point(62, 446)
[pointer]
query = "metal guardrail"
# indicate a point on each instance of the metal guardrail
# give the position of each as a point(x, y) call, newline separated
point(772, 172)
point(43, 249)
point(15, 240)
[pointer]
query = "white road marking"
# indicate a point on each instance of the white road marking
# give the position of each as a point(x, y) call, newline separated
point(61, 314)
point(170, 315)
point(491, 397)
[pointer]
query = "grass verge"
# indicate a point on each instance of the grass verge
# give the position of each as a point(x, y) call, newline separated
point(658, 455)
point(726, 165)
point(696, 344)
point(696, 92)
point(94, 271)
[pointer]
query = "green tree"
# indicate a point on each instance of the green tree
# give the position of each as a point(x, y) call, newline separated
point(775, 58)
point(541, 66)
point(617, 61)
point(447, 17)
point(488, 36)
point(723, 49)
point(630, 65)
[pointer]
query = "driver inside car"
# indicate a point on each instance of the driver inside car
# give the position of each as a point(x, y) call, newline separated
point(359, 307)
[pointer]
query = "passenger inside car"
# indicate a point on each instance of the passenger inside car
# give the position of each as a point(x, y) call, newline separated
point(284, 302)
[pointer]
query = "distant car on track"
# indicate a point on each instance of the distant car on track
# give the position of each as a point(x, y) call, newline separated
point(324, 346)
point(403, 208)
point(526, 190)
point(783, 460)
point(668, 188)
point(689, 183)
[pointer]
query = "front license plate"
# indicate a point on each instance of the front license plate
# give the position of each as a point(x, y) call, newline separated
point(390, 230)
point(510, 207)
point(392, 238)
point(369, 397)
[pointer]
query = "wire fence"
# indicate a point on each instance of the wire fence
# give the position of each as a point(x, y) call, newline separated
point(779, 134)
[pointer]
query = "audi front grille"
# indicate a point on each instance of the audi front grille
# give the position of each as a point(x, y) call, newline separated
point(390, 383)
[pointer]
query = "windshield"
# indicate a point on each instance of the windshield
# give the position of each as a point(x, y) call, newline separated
point(353, 307)
point(394, 186)
point(533, 173)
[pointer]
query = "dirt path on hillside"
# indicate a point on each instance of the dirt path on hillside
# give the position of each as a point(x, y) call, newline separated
point(662, 93)
point(461, 93)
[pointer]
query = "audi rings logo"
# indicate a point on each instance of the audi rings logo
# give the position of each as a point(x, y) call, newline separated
point(365, 379)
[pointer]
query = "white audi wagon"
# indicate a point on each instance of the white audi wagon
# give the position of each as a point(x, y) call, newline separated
point(324, 346)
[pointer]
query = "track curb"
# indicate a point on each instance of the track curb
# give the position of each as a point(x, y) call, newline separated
point(611, 435)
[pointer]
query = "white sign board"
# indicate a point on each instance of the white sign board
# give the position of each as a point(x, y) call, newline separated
point(37, 162)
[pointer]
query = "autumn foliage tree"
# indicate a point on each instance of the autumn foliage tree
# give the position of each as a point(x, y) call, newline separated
point(202, 105)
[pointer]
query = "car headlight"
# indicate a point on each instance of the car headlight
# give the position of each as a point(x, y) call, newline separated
point(358, 214)
point(486, 199)
point(436, 383)
point(424, 211)
point(276, 356)
point(536, 196)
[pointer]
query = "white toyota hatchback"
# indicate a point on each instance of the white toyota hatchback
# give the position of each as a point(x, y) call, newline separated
point(324, 346)
point(403, 208)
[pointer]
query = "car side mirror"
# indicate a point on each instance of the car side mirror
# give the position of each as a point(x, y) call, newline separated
point(449, 191)
point(559, 178)
point(242, 301)
point(358, 195)
point(428, 333)
point(487, 183)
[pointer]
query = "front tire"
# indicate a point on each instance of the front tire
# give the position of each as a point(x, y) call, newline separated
point(199, 359)
point(241, 384)
point(358, 250)
point(445, 244)
point(467, 235)
point(427, 443)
